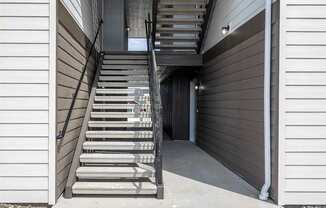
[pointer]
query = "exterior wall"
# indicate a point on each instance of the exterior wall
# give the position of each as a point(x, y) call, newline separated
point(25, 114)
point(302, 143)
point(85, 14)
point(175, 98)
point(230, 12)
point(230, 121)
point(72, 50)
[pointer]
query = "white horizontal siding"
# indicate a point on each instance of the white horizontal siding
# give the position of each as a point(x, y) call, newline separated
point(24, 105)
point(24, 63)
point(28, 36)
point(302, 123)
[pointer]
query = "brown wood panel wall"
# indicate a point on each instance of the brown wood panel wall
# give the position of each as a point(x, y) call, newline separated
point(230, 119)
point(72, 49)
point(175, 101)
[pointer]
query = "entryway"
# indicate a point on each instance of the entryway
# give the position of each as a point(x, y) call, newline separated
point(192, 179)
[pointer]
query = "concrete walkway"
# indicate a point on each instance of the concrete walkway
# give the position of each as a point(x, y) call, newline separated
point(192, 179)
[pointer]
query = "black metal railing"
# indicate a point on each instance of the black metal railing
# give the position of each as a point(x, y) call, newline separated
point(154, 15)
point(66, 123)
point(156, 107)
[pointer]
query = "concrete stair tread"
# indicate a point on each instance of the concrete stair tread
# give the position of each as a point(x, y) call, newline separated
point(119, 134)
point(177, 39)
point(124, 78)
point(124, 84)
point(179, 20)
point(98, 172)
point(100, 145)
point(116, 158)
point(123, 91)
point(120, 115)
point(134, 124)
point(121, 106)
point(118, 188)
point(123, 98)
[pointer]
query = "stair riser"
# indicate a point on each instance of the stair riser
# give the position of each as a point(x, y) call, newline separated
point(125, 62)
point(124, 78)
point(124, 57)
point(125, 72)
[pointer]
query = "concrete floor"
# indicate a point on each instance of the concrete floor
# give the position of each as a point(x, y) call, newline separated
point(192, 179)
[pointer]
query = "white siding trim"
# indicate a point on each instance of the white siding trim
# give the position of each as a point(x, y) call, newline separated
point(281, 121)
point(52, 103)
point(302, 85)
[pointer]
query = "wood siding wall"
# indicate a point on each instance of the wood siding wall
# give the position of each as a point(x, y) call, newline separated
point(72, 49)
point(175, 100)
point(302, 111)
point(85, 14)
point(230, 12)
point(24, 95)
point(230, 121)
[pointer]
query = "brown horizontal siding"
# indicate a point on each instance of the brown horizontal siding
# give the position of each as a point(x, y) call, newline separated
point(72, 49)
point(230, 121)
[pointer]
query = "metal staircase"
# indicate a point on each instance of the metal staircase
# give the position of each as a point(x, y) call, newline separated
point(118, 149)
point(178, 24)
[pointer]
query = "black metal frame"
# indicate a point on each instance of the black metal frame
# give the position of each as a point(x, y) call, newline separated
point(62, 133)
point(156, 108)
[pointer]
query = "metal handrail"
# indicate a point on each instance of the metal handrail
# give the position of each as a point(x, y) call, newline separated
point(62, 133)
point(156, 107)
point(154, 15)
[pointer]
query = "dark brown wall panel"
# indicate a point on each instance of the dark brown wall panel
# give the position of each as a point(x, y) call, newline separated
point(175, 101)
point(230, 119)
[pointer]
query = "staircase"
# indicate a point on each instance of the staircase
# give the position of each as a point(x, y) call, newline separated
point(116, 153)
point(179, 24)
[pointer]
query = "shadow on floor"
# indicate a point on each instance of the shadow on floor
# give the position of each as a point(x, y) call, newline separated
point(186, 159)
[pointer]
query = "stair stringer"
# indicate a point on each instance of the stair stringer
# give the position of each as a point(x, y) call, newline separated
point(82, 137)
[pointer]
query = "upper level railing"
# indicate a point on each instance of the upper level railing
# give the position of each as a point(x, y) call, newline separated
point(65, 126)
point(156, 107)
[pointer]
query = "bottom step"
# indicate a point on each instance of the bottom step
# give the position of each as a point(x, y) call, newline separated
point(114, 188)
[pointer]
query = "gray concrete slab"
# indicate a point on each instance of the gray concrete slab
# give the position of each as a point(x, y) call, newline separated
point(192, 179)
